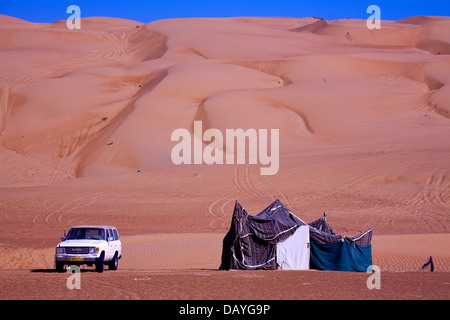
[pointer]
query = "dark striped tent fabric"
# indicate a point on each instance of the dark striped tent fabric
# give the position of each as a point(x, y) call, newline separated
point(322, 225)
point(321, 232)
point(250, 243)
point(364, 239)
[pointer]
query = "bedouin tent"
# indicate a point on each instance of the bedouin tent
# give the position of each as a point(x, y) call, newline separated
point(252, 240)
point(277, 239)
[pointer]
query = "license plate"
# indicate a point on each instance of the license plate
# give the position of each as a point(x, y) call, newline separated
point(76, 259)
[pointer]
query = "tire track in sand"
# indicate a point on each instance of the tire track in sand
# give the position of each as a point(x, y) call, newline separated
point(248, 187)
point(221, 208)
point(217, 209)
point(435, 191)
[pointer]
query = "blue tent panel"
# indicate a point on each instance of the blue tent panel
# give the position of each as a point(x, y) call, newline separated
point(340, 256)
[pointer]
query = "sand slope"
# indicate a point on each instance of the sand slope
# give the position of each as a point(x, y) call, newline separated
point(86, 118)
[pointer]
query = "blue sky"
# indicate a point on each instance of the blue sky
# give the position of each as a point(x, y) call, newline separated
point(148, 10)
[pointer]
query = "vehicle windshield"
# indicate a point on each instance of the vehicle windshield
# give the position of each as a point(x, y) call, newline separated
point(86, 233)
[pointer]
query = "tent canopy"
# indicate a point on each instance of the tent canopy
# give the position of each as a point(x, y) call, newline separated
point(252, 242)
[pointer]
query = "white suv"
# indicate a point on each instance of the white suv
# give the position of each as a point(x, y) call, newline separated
point(91, 245)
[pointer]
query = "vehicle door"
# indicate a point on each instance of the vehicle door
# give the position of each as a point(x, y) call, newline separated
point(117, 243)
point(111, 247)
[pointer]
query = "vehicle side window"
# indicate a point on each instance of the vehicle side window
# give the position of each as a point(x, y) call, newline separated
point(116, 235)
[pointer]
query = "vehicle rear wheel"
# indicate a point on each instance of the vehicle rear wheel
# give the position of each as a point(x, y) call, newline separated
point(114, 263)
point(99, 265)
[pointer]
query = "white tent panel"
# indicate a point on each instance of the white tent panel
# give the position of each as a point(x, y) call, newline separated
point(293, 253)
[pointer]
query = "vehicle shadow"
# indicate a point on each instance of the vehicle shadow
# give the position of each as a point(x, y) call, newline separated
point(64, 271)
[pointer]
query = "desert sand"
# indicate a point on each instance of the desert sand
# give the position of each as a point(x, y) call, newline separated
point(86, 118)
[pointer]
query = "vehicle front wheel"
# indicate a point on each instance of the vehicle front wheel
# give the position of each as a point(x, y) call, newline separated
point(114, 263)
point(99, 265)
point(59, 266)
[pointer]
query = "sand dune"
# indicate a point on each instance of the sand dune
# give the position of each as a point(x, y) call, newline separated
point(127, 72)
point(86, 118)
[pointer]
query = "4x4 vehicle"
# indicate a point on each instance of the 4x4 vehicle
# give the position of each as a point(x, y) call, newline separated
point(91, 245)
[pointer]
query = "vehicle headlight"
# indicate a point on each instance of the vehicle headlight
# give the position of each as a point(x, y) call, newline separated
point(93, 250)
point(60, 250)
